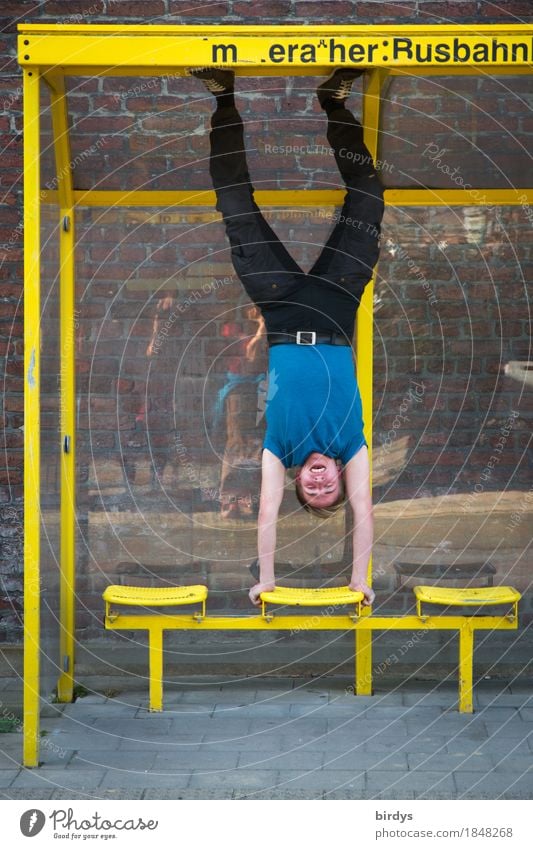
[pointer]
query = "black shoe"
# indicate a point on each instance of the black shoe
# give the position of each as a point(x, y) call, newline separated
point(216, 80)
point(338, 86)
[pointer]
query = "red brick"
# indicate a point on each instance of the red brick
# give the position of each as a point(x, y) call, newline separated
point(511, 9)
point(330, 11)
point(145, 9)
point(384, 10)
point(76, 11)
point(435, 12)
point(183, 9)
point(101, 126)
point(270, 9)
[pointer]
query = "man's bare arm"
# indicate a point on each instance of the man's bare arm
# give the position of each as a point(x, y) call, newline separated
point(272, 484)
point(357, 481)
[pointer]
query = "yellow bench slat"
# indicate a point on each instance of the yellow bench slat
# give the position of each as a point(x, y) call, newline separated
point(469, 596)
point(311, 597)
point(155, 596)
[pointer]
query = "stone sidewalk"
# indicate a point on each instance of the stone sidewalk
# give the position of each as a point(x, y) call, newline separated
point(266, 738)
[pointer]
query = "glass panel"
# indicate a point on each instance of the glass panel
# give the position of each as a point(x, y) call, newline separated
point(456, 132)
point(50, 410)
point(442, 131)
point(171, 406)
point(171, 398)
point(452, 404)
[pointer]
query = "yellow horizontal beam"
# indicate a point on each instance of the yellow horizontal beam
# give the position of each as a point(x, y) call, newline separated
point(304, 71)
point(315, 198)
point(183, 622)
point(273, 29)
point(300, 49)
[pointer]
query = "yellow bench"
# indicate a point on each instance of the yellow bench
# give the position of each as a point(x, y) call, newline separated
point(355, 619)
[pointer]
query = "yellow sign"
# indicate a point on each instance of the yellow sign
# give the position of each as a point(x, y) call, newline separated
point(372, 50)
point(115, 49)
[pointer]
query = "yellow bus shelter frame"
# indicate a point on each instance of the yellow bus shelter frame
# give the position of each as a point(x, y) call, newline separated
point(160, 50)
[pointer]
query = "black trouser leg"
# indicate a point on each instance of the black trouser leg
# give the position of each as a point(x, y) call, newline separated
point(351, 251)
point(265, 268)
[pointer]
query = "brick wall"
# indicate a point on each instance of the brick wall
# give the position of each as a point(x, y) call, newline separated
point(451, 298)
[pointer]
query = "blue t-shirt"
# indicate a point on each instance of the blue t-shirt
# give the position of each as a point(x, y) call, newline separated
point(313, 403)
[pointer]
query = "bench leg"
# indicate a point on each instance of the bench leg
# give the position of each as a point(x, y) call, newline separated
point(363, 662)
point(466, 668)
point(155, 637)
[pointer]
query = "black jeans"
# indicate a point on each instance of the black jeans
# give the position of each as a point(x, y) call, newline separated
point(326, 298)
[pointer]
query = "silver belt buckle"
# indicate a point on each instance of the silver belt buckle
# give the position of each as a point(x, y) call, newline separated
point(306, 337)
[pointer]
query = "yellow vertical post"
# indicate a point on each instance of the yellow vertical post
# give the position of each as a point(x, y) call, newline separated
point(365, 356)
point(466, 667)
point(155, 647)
point(32, 452)
point(67, 594)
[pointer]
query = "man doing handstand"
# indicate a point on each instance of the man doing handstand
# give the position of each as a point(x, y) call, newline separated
point(314, 418)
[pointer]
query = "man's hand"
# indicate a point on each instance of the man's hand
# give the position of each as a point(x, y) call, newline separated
point(362, 587)
point(256, 591)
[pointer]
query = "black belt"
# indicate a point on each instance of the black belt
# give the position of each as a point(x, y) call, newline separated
point(307, 337)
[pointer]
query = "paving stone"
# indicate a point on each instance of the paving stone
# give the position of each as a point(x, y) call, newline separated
point(290, 795)
point(187, 793)
point(214, 696)
point(516, 729)
point(358, 761)
point(440, 762)
point(58, 758)
point(26, 794)
point(381, 700)
point(144, 781)
point(100, 793)
point(432, 698)
point(52, 778)
point(325, 780)
point(293, 726)
point(7, 776)
point(208, 759)
point(257, 711)
point(89, 713)
point(371, 729)
point(495, 785)
point(150, 725)
point(302, 760)
point(416, 712)
point(522, 686)
point(322, 709)
point(496, 746)
point(220, 724)
point(85, 739)
point(423, 745)
point(526, 713)
point(506, 699)
point(179, 711)
point(518, 764)
point(254, 742)
point(422, 784)
point(450, 726)
point(296, 696)
point(373, 795)
point(174, 743)
point(244, 779)
point(117, 760)
point(498, 714)
point(10, 760)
